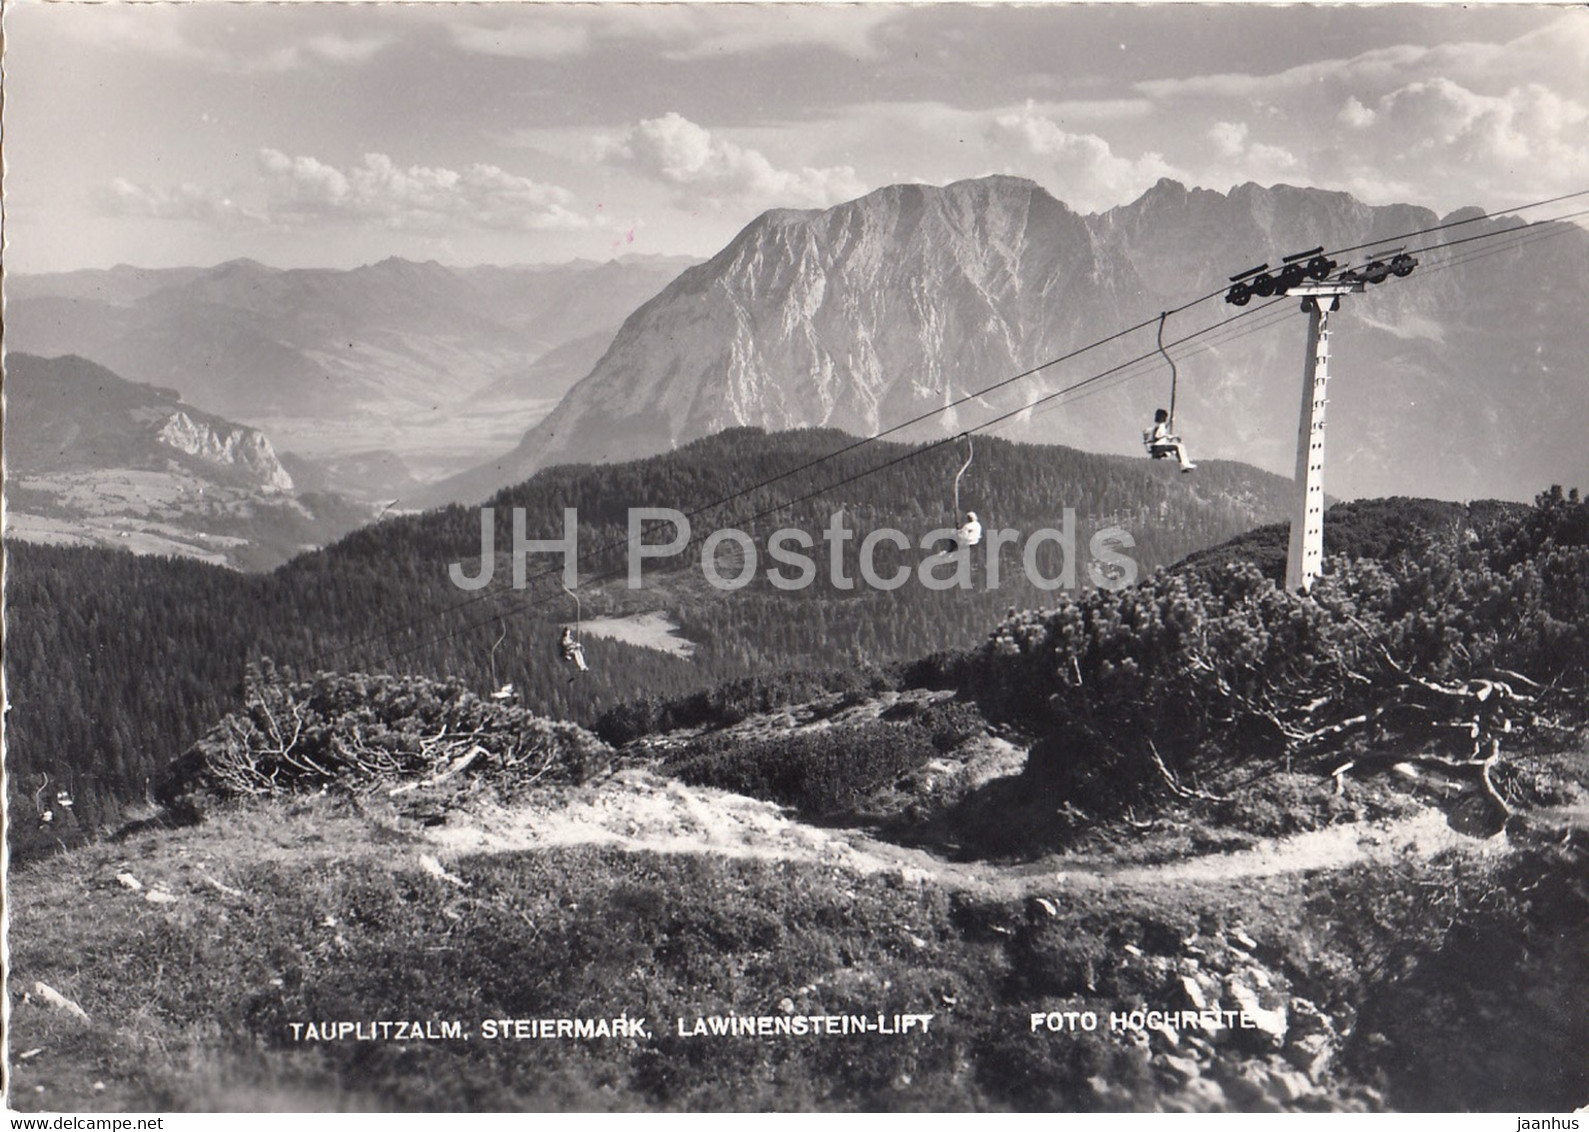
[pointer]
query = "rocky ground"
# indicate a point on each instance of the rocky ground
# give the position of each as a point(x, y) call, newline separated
point(1386, 960)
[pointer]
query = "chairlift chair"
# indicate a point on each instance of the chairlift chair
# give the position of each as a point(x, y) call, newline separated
point(970, 531)
point(502, 691)
point(1169, 444)
point(573, 652)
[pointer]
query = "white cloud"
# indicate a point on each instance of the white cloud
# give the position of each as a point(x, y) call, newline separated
point(1242, 158)
point(329, 48)
point(704, 31)
point(1369, 68)
point(376, 191)
point(347, 49)
point(1527, 131)
point(712, 170)
point(1096, 110)
point(1229, 138)
point(1355, 115)
point(126, 29)
point(337, 50)
point(1447, 125)
point(1082, 169)
point(303, 182)
point(415, 197)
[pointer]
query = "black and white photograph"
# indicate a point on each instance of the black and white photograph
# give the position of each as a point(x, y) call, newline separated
point(795, 557)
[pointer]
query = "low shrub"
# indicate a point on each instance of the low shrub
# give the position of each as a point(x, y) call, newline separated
point(356, 730)
point(822, 773)
point(734, 701)
point(1144, 684)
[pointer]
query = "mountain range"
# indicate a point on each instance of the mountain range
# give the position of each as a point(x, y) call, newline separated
point(428, 364)
point(1465, 379)
point(433, 384)
point(92, 459)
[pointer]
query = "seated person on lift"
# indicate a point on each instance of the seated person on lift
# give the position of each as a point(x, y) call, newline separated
point(573, 651)
point(966, 536)
point(1161, 444)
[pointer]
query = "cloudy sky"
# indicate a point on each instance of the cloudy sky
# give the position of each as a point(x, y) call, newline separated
point(329, 134)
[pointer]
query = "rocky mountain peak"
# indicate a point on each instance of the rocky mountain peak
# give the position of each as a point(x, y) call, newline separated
point(243, 449)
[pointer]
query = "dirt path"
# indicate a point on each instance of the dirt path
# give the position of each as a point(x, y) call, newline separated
point(1419, 835)
point(641, 811)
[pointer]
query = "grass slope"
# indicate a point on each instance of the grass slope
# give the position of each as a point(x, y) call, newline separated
point(317, 911)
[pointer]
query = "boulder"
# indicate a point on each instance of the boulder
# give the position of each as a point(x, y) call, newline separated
point(1266, 1012)
point(59, 1001)
point(1190, 993)
point(1179, 1069)
point(1313, 1054)
point(1289, 1086)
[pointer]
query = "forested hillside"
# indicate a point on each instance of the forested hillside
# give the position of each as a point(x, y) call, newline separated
point(1121, 797)
point(1367, 528)
point(115, 664)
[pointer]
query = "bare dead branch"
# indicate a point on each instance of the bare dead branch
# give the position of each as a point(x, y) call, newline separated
point(1175, 784)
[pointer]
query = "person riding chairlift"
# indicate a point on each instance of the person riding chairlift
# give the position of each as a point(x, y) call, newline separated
point(1161, 443)
point(966, 536)
point(573, 651)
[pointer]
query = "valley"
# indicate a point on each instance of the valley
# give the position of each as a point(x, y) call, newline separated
point(912, 302)
point(433, 365)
